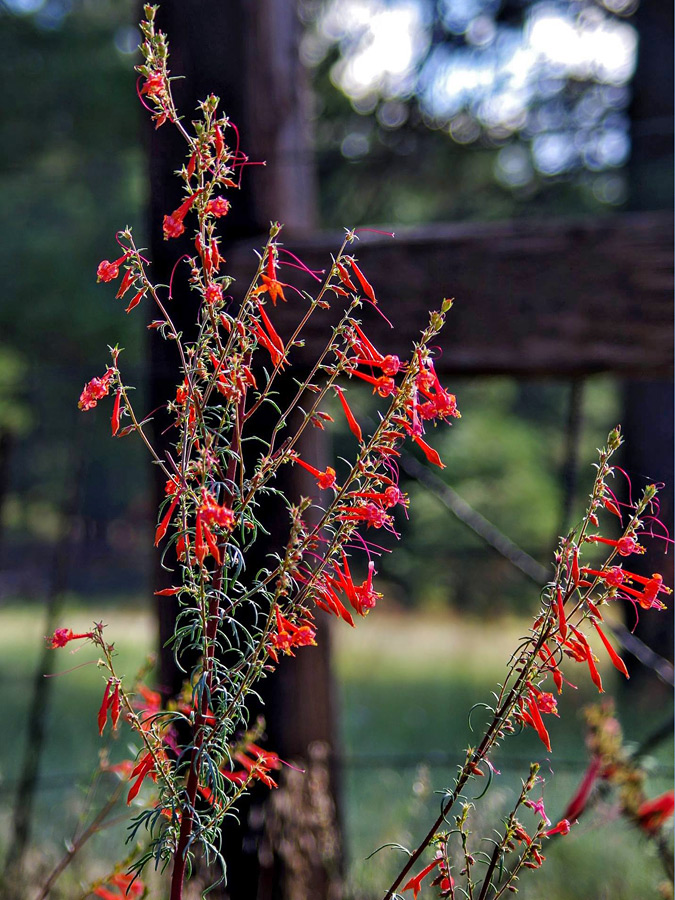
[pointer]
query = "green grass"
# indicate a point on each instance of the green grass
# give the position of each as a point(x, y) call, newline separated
point(407, 684)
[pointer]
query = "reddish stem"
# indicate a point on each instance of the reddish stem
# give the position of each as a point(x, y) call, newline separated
point(187, 819)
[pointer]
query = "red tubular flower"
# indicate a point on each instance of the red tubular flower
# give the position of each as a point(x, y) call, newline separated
point(415, 883)
point(611, 506)
point(289, 635)
point(200, 545)
point(325, 480)
point(115, 420)
point(538, 722)
point(213, 293)
point(546, 702)
point(63, 636)
point(370, 513)
point(384, 385)
point(653, 813)
point(111, 702)
point(588, 656)
point(219, 142)
point(390, 498)
point(429, 452)
point(277, 358)
point(578, 802)
point(95, 390)
point(218, 207)
point(363, 281)
point(273, 336)
point(560, 614)
point(154, 84)
point(258, 768)
point(563, 827)
point(215, 515)
point(575, 567)
point(164, 524)
point(127, 281)
point(144, 767)
point(329, 601)
point(354, 426)
point(647, 597)
point(625, 545)
point(344, 277)
point(362, 597)
point(270, 284)
point(135, 300)
point(173, 225)
point(108, 271)
point(613, 655)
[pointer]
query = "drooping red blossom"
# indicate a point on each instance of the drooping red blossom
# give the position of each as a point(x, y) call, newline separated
point(144, 768)
point(537, 722)
point(135, 300)
point(173, 225)
point(362, 597)
point(108, 271)
point(270, 283)
point(213, 293)
point(218, 207)
point(578, 802)
point(154, 85)
point(110, 703)
point(429, 452)
point(354, 426)
point(166, 519)
point(115, 420)
point(258, 768)
point(95, 390)
point(344, 277)
point(653, 813)
point(127, 281)
point(366, 286)
point(617, 662)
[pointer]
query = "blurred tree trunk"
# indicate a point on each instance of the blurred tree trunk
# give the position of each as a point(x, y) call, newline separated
point(648, 404)
point(246, 53)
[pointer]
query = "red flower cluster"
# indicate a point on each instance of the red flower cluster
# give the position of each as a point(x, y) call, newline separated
point(110, 704)
point(257, 765)
point(289, 635)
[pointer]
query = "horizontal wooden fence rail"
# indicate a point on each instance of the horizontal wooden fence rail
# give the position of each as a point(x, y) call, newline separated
point(553, 298)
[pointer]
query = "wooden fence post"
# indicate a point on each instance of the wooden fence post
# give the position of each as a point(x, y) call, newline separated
point(246, 53)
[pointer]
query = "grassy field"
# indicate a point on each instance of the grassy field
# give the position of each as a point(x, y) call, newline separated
point(406, 687)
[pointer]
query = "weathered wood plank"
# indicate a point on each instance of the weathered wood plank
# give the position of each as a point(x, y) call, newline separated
point(551, 298)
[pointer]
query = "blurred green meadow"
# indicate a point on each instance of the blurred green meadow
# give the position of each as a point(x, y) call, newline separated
point(407, 684)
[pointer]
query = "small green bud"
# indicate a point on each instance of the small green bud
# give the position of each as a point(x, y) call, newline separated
point(614, 438)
